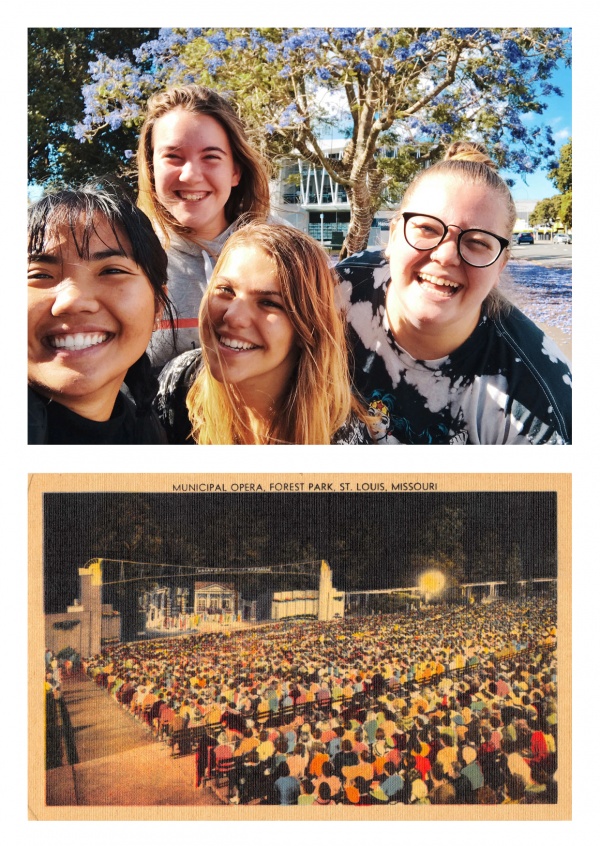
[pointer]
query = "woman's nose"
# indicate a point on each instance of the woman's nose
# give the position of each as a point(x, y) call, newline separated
point(74, 296)
point(237, 313)
point(191, 171)
point(446, 251)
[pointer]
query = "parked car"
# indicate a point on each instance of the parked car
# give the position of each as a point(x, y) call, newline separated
point(525, 238)
point(562, 238)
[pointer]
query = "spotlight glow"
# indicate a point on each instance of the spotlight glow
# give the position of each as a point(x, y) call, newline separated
point(432, 582)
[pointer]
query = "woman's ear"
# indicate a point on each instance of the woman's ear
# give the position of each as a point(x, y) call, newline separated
point(158, 305)
point(236, 175)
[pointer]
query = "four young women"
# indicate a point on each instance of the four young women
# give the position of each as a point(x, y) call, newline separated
point(438, 355)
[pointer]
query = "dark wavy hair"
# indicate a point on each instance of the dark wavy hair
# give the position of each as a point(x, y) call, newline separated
point(78, 211)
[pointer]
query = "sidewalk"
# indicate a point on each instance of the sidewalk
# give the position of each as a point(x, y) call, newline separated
point(117, 760)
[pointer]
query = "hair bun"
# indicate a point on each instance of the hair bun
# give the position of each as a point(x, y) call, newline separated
point(469, 151)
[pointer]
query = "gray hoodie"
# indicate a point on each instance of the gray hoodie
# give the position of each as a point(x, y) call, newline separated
point(189, 271)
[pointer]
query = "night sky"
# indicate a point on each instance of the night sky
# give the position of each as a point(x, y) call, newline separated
point(368, 539)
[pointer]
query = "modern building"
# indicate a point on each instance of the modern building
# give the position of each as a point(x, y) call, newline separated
point(307, 197)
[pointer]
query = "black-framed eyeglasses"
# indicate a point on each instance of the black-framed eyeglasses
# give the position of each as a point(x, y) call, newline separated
point(476, 247)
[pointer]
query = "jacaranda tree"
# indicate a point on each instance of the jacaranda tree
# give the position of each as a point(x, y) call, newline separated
point(57, 67)
point(413, 90)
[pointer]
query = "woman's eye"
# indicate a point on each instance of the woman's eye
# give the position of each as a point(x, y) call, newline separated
point(38, 274)
point(478, 244)
point(272, 304)
point(113, 271)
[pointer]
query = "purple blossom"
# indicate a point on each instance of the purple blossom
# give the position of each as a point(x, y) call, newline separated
point(218, 41)
point(129, 154)
point(79, 131)
point(345, 34)
point(512, 51)
point(213, 63)
point(295, 42)
point(256, 39)
point(323, 73)
point(272, 52)
point(114, 120)
point(362, 67)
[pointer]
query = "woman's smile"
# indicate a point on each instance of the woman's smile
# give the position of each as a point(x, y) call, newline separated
point(256, 346)
point(237, 344)
point(90, 320)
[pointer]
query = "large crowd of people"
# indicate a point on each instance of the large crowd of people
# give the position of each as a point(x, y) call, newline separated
point(445, 705)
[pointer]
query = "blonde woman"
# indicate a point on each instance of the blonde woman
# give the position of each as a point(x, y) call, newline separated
point(197, 175)
point(273, 365)
point(440, 357)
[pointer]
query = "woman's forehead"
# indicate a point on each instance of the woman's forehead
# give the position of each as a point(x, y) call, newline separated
point(86, 235)
point(460, 201)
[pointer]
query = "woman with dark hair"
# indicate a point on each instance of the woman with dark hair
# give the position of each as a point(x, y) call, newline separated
point(96, 286)
point(197, 176)
point(439, 355)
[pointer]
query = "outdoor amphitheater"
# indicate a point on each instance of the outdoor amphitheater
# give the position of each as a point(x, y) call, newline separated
point(449, 703)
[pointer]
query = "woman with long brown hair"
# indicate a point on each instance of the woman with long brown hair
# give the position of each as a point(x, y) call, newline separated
point(273, 366)
point(197, 174)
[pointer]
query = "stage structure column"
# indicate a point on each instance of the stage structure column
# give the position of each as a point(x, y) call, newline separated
point(90, 587)
point(325, 611)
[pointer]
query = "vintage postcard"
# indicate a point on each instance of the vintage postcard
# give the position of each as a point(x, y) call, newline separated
point(258, 646)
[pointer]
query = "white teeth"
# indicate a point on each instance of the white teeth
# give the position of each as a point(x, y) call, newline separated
point(237, 345)
point(199, 196)
point(435, 280)
point(78, 341)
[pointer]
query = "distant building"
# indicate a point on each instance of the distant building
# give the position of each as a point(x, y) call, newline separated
point(524, 210)
point(308, 198)
point(212, 598)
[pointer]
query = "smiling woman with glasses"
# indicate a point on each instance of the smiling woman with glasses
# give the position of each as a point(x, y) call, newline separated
point(475, 246)
point(456, 362)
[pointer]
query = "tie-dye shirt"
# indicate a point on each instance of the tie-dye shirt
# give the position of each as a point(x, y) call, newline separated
point(508, 383)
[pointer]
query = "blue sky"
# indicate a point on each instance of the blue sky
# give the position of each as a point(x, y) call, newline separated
point(558, 116)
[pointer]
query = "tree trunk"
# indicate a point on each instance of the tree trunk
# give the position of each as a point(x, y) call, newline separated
point(363, 205)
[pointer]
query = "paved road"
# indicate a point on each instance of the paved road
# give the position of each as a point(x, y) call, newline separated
point(543, 252)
